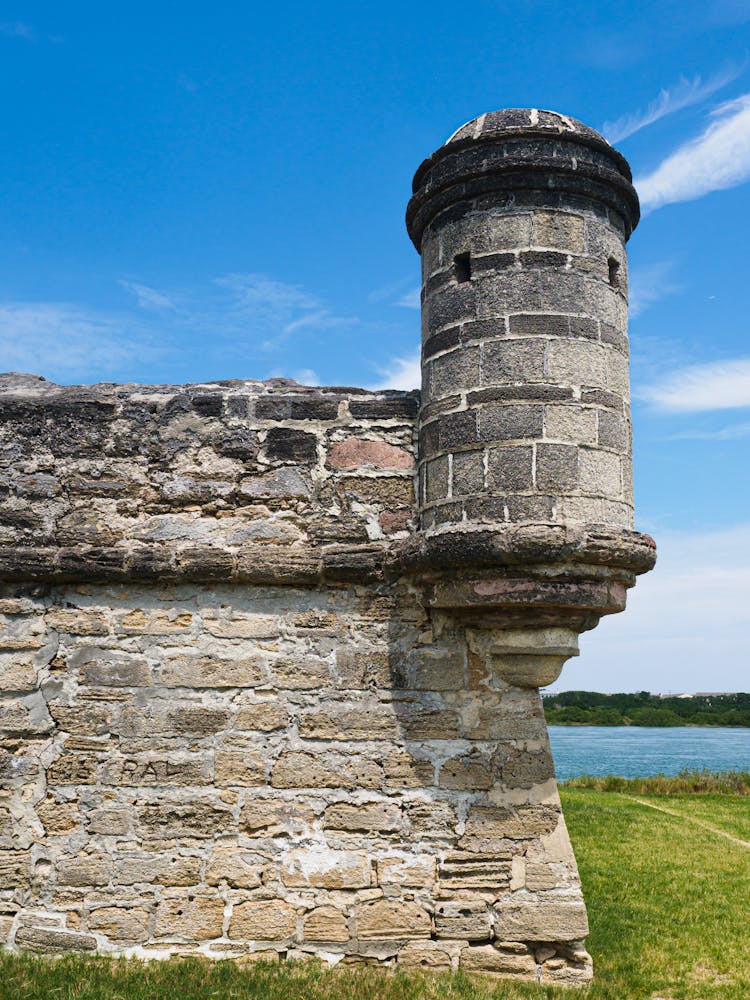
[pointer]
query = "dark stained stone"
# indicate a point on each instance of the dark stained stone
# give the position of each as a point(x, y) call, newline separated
point(285, 444)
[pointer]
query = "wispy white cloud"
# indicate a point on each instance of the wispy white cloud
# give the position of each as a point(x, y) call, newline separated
point(680, 95)
point(148, 298)
point(18, 29)
point(649, 284)
point(401, 373)
point(272, 311)
point(389, 290)
point(59, 340)
point(250, 318)
point(267, 298)
point(319, 319)
point(731, 433)
point(718, 385)
point(411, 300)
point(686, 625)
point(718, 158)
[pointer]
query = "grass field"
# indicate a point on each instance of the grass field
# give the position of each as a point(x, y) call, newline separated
point(669, 907)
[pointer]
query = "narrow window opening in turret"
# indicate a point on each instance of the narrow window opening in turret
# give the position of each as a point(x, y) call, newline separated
point(462, 262)
point(614, 272)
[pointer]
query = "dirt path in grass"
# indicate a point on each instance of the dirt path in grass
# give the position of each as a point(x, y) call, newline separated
point(689, 819)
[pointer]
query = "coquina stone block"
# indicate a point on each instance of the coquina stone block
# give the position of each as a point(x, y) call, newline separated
point(270, 654)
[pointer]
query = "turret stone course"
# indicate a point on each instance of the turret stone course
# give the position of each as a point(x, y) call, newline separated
point(271, 654)
point(525, 407)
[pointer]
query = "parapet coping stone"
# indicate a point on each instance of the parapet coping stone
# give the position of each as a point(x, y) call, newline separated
point(468, 548)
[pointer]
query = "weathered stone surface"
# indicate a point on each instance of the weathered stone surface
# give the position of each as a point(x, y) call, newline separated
point(239, 868)
point(326, 869)
point(427, 955)
point(504, 822)
point(77, 621)
point(194, 918)
point(566, 972)
point(275, 818)
point(466, 920)
point(371, 817)
point(239, 767)
point(56, 817)
point(542, 920)
point(391, 920)
point(183, 819)
point(264, 716)
point(434, 819)
point(404, 771)
point(326, 924)
point(355, 453)
point(265, 920)
point(82, 718)
point(212, 672)
point(188, 769)
point(109, 821)
point(53, 941)
point(374, 721)
point(160, 869)
point(473, 870)
point(307, 770)
point(73, 769)
point(466, 774)
point(415, 871)
point(85, 869)
point(120, 923)
point(14, 868)
point(498, 961)
point(283, 484)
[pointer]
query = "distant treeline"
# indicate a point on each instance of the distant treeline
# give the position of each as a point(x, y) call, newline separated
point(589, 708)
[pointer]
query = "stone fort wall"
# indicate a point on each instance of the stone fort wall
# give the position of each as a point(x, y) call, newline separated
point(227, 728)
point(271, 655)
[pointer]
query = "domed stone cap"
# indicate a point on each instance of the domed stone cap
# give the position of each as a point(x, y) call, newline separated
point(518, 149)
point(532, 121)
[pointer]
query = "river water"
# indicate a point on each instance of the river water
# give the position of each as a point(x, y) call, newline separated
point(640, 751)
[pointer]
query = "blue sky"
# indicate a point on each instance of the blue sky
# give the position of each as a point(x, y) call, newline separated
point(195, 192)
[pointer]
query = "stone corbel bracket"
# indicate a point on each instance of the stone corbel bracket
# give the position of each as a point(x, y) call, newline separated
point(528, 590)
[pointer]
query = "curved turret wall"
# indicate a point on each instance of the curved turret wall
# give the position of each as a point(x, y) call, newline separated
point(521, 220)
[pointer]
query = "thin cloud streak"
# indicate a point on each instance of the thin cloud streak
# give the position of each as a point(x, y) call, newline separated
point(272, 310)
point(732, 433)
point(718, 158)
point(58, 340)
point(148, 298)
point(718, 385)
point(401, 373)
point(412, 299)
point(388, 291)
point(250, 317)
point(680, 95)
point(650, 284)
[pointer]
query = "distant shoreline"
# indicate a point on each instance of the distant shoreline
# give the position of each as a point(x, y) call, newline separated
point(643, 725)
point(645, 710)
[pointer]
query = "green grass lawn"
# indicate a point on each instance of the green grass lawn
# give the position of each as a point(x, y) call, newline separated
point(669, 902)
point(725, 812)
point(669, 907)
